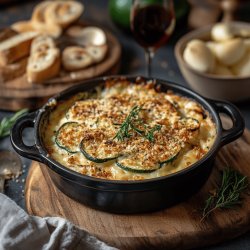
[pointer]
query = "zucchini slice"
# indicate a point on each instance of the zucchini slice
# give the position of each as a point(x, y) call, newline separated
point(68, 137)
point(134, 163)
point(139, 163)
point(97, 150)
point(170, 159)
point(190, 123)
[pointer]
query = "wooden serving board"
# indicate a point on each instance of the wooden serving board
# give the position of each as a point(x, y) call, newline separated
point(19, 93)
point(178, 227)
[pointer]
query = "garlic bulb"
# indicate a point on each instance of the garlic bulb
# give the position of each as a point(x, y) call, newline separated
point(198, 56)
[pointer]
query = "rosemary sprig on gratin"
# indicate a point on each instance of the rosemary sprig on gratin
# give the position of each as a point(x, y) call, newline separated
point(228, 194)
point(150, 134)
point(131, 122)
point(7, 122)
point(123, 132)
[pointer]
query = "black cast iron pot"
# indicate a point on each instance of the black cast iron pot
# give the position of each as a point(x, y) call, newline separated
point(127, 196)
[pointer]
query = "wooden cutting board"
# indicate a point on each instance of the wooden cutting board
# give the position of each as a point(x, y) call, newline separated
point(19, 93)
point(178, 227)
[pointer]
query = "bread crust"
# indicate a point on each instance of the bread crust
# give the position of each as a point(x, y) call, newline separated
point(16, 47)
point(63, 13)
point(44, 62)
point(40, 68)
point(12, 71)
point(39, 22)
point(22, 26)
point(6, 33)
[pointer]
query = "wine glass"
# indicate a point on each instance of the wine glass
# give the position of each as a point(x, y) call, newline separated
point(152, 23)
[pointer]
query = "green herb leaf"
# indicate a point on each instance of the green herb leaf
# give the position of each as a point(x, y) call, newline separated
point(7, 122)
point(150, 134)
point(123, 132)
point(132, 122)
point(228, 194)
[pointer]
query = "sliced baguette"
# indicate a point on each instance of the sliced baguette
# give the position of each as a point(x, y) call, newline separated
point(38, 21)
point(42, 43)
point(42, 28)
point(6, 33)
point(38, 17)
point(22, 26)
point(75, 58)
point(52, 30)
point(97, 52)
point(16, 47)
point(43, 65)
point(63, 13)
point(12, 71)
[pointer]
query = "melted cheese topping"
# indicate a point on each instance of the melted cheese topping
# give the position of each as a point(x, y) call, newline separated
point(166, 134)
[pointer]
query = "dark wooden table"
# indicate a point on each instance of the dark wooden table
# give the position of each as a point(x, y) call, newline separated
point(164, 66)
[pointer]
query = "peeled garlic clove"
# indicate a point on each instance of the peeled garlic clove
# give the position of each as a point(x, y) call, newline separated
point(222, 32)
point(247, 43)
point(242, 68)
point(243, 32)
point(230, 52)
point(211, 45)
point(198, 56)
point(222, 70)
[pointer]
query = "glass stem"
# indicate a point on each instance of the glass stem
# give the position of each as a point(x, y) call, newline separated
point(149, 55)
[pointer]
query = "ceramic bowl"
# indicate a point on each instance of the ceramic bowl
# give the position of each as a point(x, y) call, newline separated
point(212, 86)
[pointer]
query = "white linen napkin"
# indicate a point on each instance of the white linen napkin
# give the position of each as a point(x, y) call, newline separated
point(18, 230)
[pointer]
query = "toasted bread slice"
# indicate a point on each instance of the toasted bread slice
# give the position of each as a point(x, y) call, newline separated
point(38, 13)
point(75, 58)
point(12, 71)
point(42, 28)
point(42, 43)
point(63, 13)
point(22, 26)
point(43, 65)
point(16, 47)
point(39, 23)
point(97, 52)
point(6, 33)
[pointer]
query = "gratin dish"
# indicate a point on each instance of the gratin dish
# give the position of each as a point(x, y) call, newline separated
point(118, 196)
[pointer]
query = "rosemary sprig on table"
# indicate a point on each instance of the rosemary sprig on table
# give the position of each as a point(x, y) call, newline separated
point(228, 194)
point(131, 122)
point(7, 122)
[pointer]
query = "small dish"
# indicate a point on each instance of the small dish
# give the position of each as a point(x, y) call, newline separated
point(212, 86)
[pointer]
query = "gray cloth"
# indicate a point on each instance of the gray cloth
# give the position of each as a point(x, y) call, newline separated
point(18, 230)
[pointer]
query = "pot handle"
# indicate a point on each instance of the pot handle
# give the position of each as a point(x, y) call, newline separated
point(229, 135)
point(16, 137)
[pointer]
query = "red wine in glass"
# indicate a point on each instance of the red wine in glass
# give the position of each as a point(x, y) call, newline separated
point(152, 25)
